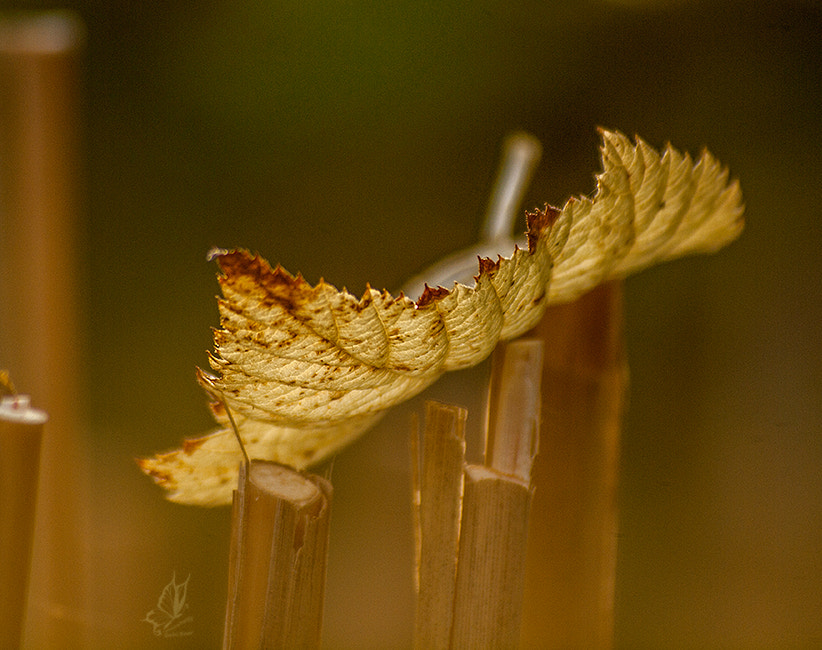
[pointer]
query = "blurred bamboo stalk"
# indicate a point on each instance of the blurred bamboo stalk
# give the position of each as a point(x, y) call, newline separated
point(21, 431)
point(277, 563)
point(571, 558)
point(39, 96)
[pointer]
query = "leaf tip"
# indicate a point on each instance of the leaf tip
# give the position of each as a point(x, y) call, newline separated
point(215, 251)
point(538, 221)
point(431, 294)
point(148, 467)
point(487, 266)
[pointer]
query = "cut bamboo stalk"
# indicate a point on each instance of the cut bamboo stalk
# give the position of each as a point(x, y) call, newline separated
point(440, 490)
point(40, 57)
point(277, 563)
point(513, 415)
point(21, 431)
point(570, 575)
point(494, 532)
point(490, 575)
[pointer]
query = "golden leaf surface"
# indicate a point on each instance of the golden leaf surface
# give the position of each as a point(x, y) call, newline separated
point(307, 369)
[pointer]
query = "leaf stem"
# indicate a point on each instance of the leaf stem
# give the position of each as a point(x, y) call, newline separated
point(520, 154)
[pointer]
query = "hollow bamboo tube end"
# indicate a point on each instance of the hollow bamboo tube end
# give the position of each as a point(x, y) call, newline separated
point(279, 547)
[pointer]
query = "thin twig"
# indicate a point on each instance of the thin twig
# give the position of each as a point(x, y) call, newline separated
point(235, 429)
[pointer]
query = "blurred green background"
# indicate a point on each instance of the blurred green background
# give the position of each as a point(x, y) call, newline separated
point(357, 141)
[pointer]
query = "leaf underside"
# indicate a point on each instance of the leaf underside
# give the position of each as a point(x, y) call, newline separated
point(307, 369)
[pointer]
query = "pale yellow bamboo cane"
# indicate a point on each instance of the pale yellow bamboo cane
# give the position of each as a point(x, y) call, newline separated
point(277, 565)
point(496, 505)
point(491, 566)
point(440, 494)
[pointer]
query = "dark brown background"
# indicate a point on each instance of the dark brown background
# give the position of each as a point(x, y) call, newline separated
point(357, 141)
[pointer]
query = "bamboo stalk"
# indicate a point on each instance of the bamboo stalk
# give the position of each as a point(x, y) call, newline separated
point(21, 431)
point(497, 501)
point(472, 546)
point(490, 575)
point(571, 558)
point(277, 564)
point(40, 56)
point(514, 404)
point(440, 490)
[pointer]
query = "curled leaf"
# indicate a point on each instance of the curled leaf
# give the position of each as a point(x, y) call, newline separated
point(306, 369)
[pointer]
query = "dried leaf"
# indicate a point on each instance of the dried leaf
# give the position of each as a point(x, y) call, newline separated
point(306, 369)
